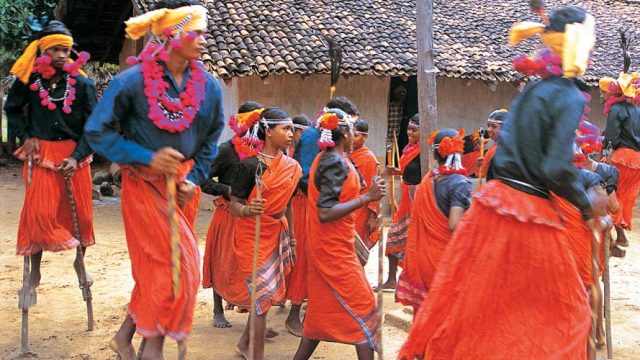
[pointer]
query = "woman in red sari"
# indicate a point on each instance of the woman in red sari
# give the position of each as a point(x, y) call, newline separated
point(494, 124)
point(411, 176)
point(276, 250)
point(368, 166)
point(342, 306)
point(219, 259)
point(441, 199)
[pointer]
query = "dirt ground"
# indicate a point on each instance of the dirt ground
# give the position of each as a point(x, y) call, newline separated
point(58, 322)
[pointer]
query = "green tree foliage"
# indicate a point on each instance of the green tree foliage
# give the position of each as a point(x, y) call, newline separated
point(14, 31)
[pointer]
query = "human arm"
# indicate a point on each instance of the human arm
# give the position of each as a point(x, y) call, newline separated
point(455, 214)
point(292, 235)
point(615, 119)
point(89, 101)
point(339, 210)
point(222, 167)
point(459, 199)
point(209, 149)
point(14, 107)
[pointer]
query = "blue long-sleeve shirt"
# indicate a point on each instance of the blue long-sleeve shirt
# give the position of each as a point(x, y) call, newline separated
point(306, 150)
point(120, 129)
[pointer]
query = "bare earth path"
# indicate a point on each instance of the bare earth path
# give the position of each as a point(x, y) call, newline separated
point(58, 322)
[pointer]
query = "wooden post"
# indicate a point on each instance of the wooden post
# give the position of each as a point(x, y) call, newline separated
point(427, 96)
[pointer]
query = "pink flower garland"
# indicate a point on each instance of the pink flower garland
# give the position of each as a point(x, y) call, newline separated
point(173, 115)
point(46, 71)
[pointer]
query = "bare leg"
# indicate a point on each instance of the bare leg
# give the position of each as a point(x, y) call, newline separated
point(121, 343)
point(293, 324)
point(242, 347)
point(219, 320)
point(621, 237)
point(76, 268)
point(393, 268)
point(364, 352)
point(306, 348)
point(153, 348)
point(35, 276)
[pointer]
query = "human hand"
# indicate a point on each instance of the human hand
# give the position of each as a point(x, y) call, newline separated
point(167, 160)
point(391, 170)
point(256, 206)
point(186, 190)
point(68, 166)
point(378, 189)
point(31, 146)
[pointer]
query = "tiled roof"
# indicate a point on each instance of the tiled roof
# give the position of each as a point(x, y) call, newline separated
point(378, 36)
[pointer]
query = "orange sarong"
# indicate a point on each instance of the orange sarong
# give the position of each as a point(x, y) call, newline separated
point(219, 261)
point(506, 289)
point(427, 240)
point(274, 253)
point(341, 306)
point(579, 236)
point(155, 309)
point(45, 221)
point(397, 236)
point(297, 284)
point(191, 208)
point(470, 162)
point(367, 164)
point(627, 161)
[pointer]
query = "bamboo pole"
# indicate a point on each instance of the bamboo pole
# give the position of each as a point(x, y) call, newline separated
point(25, 301)
point(595, 290)
point(254, 270)
point(607, 296)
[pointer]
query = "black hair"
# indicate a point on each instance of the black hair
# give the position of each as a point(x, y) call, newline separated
point(343, 104)
point(338, 133)
point(415, 119)
point(361, 125)
point(54, 27)
point(301, 119)
point(499, 115)
point(442, 133)
point(174, 4)
point(565, 15)
point(271, 113)
point(249, 106)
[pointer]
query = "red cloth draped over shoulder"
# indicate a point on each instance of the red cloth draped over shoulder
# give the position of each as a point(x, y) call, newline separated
point(367, 164)
point(488, 156)
point(579, 237)
point(341, 305)
point(274, 254)
point(428, 238)
point(297, 281)
point(219, 264)
point(470, 162)
point(505, 290)
point(397, 236)
point(191, 208)
point(627, 161)
point(153, 306)
point(45, 220)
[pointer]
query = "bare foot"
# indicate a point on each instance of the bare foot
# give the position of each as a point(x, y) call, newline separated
point(86, 273)
point(219, 321)
point(229, 306)
point(617, 252)
point(600, 341)
point(242, 350)
point(124, 351)
point(390, 285)
point(270, 333)
point(293, 326)
point(241, 310)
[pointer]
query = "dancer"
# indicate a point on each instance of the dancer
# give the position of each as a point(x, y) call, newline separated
point(341, 304)
point(411, 176)
point(441, 199)
point(494, 124)
point(160, 137)
point(58, 98)
point(280, 174)
point(509, 248)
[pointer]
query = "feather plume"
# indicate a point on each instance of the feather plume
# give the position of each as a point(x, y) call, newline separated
point(335, 56)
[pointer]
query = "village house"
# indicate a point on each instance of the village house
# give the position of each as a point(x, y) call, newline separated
point(275, 52)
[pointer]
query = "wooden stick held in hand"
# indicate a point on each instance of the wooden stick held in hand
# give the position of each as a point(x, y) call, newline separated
point(254, 269)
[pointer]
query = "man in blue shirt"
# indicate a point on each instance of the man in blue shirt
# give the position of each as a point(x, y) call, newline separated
point(159, 119)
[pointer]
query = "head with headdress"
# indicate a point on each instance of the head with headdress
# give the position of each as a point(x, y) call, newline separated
point(344, 104)
point(300, 124)
point(271, 125)
point(360, 133)
point(568, 36)
point(626, 87)
point(49, 52)
point(413, 129)
point(175, 26)
point(495, 121)
point(448, 145)
point(336, 129)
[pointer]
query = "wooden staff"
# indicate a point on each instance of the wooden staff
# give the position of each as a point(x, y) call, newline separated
point(254, 269)
point(483, 143)
point(24, 298)
point(392, 181)
point(380, 289)
point(82, 274)
point(607, 295)
point(174, 234)
point(595, 290)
